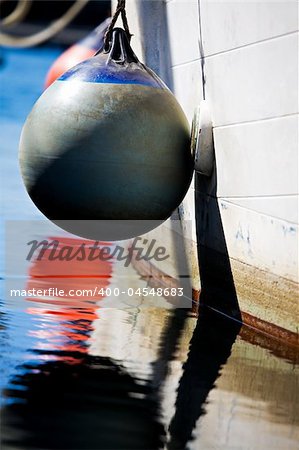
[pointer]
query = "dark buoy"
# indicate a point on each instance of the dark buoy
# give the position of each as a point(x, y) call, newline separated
point(77, 53)
point(105, 152)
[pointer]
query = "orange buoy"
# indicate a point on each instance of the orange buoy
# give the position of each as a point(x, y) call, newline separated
point(77, 53)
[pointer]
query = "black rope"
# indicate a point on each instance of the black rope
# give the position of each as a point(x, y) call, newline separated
point(120, 10)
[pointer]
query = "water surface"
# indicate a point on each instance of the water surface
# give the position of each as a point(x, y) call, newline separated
point(76, 374)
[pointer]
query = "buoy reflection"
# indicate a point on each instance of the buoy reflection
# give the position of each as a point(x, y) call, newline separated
point(65, 320)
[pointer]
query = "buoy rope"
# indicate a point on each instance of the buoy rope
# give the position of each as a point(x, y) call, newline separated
point(18, 14)
point(120, 10)
point(10, 40)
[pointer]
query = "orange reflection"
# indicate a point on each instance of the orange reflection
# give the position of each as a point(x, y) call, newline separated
point(66, 323)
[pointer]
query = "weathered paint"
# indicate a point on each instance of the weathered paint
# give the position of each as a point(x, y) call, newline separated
point(107, 141)
point(122, 149)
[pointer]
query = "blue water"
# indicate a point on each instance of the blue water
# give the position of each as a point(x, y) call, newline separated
point(22, 75)
point(77, 375)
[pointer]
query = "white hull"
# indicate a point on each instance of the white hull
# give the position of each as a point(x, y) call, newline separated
point(247, 53)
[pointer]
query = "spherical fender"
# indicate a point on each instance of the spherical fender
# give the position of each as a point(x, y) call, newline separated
point(107, 143)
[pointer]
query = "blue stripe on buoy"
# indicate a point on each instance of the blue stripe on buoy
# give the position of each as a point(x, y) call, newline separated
point(98, 73)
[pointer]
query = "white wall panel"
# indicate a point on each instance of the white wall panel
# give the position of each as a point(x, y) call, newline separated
point(281, 207)
point(230, 24)
point(255, 82)
point(259, 158)
point(183, 31)
point(261, 241)
point(188, 86)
